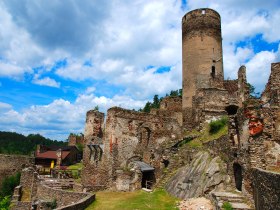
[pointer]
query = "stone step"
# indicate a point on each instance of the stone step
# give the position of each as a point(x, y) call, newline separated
point(240, 206)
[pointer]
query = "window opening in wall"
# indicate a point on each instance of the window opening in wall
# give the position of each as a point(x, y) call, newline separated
point(203, 12)
point(213, 71)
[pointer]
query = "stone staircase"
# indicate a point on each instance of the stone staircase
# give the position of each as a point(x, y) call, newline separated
point(236, 199)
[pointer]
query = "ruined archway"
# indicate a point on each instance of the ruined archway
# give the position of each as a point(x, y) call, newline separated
point(237, 170)
point(144, 136)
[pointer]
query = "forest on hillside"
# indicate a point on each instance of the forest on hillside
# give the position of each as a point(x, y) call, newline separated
point(14, 143)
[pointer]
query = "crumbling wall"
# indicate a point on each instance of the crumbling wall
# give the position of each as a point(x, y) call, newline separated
point(172, 103)
point(73, 140)
point(170, 107)
point(131, 134)
point(266, 189)
point(11, 164)
point(95, 171)
point(64, 198)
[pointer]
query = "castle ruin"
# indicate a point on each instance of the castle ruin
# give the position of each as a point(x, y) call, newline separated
point(129, 150)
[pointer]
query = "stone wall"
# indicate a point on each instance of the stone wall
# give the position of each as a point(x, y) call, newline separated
point(22, 205)
point(73, 140)
point(132, 134)
point(266, 187)
point(11, 164)
point(172, 103)
point(64, 198)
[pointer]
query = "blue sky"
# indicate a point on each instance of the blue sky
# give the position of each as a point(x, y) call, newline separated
point(60, 58)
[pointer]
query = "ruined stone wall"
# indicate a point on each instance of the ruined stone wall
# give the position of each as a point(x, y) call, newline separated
point(131, 135)
point(210, 104)
point(266, 189)
point(73, 140)
point(202, 51)
point(95, 172)
point(172, 103)
point(11, 164)
point(243, 89)
point(271, 93)
point(63, 198)
point(170, 107)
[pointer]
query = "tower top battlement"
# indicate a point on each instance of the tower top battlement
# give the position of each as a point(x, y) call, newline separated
point(202, 21)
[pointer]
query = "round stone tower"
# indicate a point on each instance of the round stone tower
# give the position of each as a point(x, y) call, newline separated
point(202, 51)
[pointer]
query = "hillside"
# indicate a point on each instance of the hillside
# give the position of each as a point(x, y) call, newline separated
point(14, 143)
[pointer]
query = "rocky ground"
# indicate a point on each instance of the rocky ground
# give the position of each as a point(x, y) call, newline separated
point(196, 204)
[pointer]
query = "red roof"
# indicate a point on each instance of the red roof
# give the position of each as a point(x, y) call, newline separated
point(51, 155)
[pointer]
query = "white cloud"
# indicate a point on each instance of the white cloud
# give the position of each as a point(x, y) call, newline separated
point(46, 81)
point(59, 118)
point(4, 106)
point(258, 68)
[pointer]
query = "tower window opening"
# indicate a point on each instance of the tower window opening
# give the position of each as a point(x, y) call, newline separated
point(213, 72)
point(203, 12)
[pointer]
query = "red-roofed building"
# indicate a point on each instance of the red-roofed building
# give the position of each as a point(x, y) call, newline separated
point(60, 156)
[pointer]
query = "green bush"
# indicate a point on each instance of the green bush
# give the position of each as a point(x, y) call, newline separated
point(216, 126)
point(227, 206)
point(4, 203)
point(8, 185)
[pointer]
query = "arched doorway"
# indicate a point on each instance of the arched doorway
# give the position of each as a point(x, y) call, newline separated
point(237, 170)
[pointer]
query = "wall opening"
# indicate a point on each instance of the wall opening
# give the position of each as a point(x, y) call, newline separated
point(203, 12)
point(231, 109)
point(148, 179)
point(213, 71)
point(145, 135)
point(237, 170)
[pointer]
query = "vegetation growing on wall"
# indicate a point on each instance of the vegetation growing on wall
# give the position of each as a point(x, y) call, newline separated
point(14, 143)
point(6, 190)
point(217, 125)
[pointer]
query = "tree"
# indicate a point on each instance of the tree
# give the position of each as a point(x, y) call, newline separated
point(96, 108)
point(8, 185)
point(147, 107)
point(252, 92)
point(156, 102)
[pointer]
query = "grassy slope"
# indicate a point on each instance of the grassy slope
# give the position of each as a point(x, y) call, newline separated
point(141, 200)
point(205, 136)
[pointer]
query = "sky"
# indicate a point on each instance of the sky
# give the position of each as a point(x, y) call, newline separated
point(61, 58)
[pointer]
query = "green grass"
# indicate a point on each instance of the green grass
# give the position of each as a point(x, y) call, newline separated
point(77, 166)
point(227, 206)
point(137, 200)
point(205, 135)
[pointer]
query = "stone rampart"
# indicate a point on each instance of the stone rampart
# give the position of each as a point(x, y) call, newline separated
point(65, 199)
point(266, 188)
point(11, 164)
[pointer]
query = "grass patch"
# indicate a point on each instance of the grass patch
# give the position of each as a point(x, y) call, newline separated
point(77, 166)
point(227, 206)
point(137, 200)
point(217, 125)
point(205, 135)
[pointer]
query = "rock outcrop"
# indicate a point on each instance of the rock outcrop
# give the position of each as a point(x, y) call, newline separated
point(202, 176)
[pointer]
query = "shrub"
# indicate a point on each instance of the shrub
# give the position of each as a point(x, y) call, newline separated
point(8, 185)
point(227, 206)
point(4, 202)
point(216, 126)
